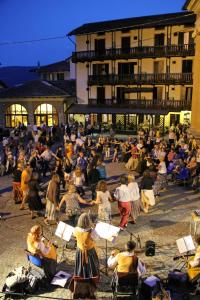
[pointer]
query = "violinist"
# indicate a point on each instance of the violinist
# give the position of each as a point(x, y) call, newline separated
point(44, 249)
point(126, 262)
point(86, 273)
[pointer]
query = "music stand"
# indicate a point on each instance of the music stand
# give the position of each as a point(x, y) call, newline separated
point(138, 239)
point(107, 232)
point(185, 246)
point(64, 231)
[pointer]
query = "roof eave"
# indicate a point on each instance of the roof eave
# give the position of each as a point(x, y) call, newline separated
point(185, 6)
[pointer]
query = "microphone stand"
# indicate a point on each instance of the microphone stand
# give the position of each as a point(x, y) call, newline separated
point(138, 239)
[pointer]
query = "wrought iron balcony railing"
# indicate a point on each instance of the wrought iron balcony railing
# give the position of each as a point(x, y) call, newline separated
point(174, 105)
point(134, 52)
point(155, 78)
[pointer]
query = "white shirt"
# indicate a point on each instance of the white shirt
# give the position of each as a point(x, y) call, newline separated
point(134, 190)
point(113, 261)
point(122, 193)
point(47, 155)
point(162, 168)
point(78, 181)
point(79, 142)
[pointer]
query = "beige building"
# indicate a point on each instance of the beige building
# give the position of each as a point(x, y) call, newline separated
point(194, 6)
point(36, 102)
point(61, 70)
point(136, 70)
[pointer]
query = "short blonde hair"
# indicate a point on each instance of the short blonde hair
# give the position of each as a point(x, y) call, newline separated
point(131, 178)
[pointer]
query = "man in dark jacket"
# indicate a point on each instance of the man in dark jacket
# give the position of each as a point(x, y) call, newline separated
point(93, 179)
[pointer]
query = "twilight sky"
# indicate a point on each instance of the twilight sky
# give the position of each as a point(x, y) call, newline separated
point(22, 20)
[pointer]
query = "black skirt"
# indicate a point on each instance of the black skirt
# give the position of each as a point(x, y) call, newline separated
point(89, 270)
point(34, 203)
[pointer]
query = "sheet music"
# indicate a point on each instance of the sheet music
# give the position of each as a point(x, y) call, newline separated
point(64, 231)
point(185, 244)
point(189, 243)
point(105, 231)
point(61, 278)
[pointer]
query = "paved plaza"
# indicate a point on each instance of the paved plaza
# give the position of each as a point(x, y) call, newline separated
point(164, 224)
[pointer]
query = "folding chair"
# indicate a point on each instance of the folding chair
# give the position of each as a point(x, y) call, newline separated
point(125, 286)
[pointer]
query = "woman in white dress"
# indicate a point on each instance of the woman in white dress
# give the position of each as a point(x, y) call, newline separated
point(103, 199)
point(135, 198)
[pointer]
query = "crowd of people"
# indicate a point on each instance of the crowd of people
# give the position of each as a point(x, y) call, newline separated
point(75, 161)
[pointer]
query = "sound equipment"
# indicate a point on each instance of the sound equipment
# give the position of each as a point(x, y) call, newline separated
point(150, 248)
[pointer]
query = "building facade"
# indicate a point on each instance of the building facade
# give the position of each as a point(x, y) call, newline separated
point(61, 70)
point(36, 102)
point(135, 71)
point(194, 6)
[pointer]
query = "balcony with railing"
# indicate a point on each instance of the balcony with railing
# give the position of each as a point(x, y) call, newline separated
point(150, 79)
point(134, 52)
point(173, 105)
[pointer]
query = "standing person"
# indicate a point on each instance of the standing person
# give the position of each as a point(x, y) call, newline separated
point(82, 163)
point(135, 198)
point(33, 198)
point(25, 178)
point(86, 273)
point(103, 200)
point(93, 179)
point(52, 199)
point(47, 156)
point(72, 202)
point(147, 193)
point(78, 180)
point(122, 195)
point(101, 168)
point(17, 192)
point(133, 160)
point(162, 174)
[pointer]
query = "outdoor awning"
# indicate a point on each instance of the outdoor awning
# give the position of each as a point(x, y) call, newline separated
point(88, 109)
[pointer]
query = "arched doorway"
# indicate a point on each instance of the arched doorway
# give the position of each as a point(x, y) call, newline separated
point(46, 113)
point(15, 114)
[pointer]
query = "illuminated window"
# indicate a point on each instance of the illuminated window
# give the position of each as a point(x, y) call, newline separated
point(46, 113)
point(16, 114)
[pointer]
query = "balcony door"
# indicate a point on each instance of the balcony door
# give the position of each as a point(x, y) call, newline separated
point(100, 46)
point(157, 94)
point(120, 95)
point(185, 38)
point(188, 94)
point(100, 69)
point(159, 39)
point(126, 44)
point(100, 95)
point(187, 66)
point(159, 67)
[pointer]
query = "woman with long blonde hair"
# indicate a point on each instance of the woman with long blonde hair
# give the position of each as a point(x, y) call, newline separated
point(39, 247)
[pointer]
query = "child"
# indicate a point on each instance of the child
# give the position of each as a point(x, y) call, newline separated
point(101, 169)
point(116, 152)
point(78, 180)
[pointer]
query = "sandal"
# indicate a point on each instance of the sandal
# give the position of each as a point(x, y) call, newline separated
point(46, 222)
